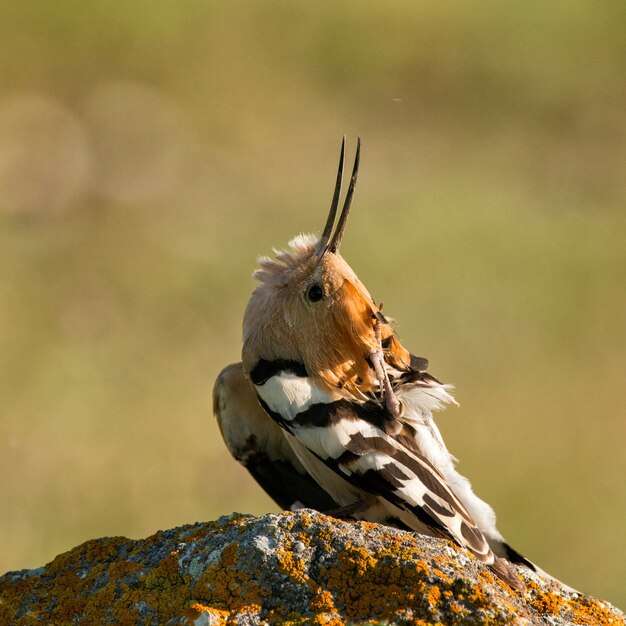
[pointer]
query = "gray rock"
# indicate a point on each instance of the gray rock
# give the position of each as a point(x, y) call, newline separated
point(300, 568)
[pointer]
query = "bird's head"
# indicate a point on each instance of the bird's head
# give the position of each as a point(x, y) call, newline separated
point(310, 307)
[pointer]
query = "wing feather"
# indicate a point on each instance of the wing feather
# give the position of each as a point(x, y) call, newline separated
point(350, 438)
point(260, 445)
point(350, 452)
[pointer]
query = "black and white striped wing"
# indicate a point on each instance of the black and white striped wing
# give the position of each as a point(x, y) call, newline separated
point(350, 438)
point(260, 445)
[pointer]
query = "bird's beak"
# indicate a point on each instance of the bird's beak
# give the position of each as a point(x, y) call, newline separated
point(328, 243)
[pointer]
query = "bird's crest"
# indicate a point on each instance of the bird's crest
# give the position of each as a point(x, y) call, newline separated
point(312, 306)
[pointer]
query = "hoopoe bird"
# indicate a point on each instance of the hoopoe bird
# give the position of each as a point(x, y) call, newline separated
point(328, 410)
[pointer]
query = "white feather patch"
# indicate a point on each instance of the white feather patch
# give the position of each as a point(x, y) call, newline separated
point(370, 461)
point(419, 403)
point(288, 394)
point(423, 401)
point(337, 487)
point(413, 491)
point(331, 441)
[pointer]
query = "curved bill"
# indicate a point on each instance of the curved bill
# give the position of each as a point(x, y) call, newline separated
point(326, 243)
point(333, 246)
point(330, 221)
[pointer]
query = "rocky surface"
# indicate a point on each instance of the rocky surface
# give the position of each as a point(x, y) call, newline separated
point(295, 568)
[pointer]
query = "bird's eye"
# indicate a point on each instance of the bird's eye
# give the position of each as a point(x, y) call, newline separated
point(315, 293)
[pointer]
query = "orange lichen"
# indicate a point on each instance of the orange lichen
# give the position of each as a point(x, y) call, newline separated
point(211, 570)
point(585, 610)
point(291, 564)
point(217, 617)
point(548, 603)
point(323, 602)
point(229, 555)
point(305, 520)
point(380, 584)
point(225, 587)
point(577, 610)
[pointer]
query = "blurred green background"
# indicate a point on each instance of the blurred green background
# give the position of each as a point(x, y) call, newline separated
point(150, 150)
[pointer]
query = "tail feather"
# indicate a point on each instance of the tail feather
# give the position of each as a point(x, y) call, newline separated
point(513, 556)
point(505, 572)
point(505, 551)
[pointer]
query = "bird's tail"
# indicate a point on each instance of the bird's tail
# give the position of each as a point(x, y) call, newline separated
point(505, 551)
point(503, 570)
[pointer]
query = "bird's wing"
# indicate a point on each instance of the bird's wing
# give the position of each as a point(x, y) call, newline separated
point(260, 445)
point(352, 439)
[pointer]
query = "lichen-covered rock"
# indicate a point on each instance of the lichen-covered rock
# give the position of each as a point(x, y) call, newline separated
point(295, 568)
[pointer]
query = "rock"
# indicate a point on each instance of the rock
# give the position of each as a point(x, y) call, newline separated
point(297, 568)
